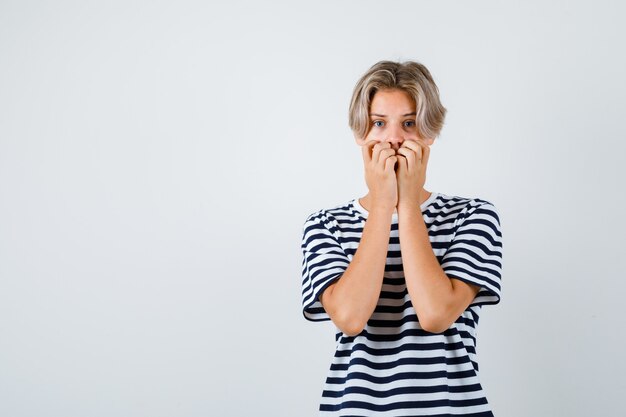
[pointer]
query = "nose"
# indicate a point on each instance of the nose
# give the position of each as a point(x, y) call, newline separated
point(395, 137)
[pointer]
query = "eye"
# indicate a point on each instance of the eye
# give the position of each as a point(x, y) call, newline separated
point(410, 123)
point(377, 121)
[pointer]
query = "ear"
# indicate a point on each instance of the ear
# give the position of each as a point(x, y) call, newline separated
point(429, 141)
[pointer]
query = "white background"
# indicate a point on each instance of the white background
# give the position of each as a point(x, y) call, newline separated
point(158, 159)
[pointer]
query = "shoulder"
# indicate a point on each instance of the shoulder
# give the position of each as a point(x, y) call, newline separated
point(330, 215)
point(467, 205)
point(459, 210)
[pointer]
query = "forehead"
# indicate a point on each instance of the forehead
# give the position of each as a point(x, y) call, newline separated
point(392, 100)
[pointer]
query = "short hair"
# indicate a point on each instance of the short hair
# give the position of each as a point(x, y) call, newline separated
point(409, 76)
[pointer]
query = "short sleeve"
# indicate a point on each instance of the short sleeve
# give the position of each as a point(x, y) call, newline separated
point(323, 261)
point(475, 253)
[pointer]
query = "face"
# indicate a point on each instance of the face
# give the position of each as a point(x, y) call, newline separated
point(392, 119)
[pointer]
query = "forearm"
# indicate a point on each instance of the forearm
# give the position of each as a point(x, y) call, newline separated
point(429, 287)
point(357, 292)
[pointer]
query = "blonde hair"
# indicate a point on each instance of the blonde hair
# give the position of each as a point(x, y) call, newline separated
point(409, 76)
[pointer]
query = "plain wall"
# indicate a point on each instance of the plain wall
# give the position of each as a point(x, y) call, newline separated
point(158, 160)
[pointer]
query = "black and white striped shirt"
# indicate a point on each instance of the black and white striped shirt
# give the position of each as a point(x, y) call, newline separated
point(394, 367)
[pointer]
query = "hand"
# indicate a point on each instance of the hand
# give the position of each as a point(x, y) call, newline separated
point(411, 173)
point(379, 160)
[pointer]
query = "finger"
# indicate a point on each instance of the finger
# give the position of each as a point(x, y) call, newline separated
point(402, 163)
point(415, 145)
point(426, 155)
point(390, 163)
point(366, 149)
point(378, 147)
point(409, 155)
point(385, 153)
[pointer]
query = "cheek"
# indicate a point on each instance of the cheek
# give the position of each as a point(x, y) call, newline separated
point(372, 136)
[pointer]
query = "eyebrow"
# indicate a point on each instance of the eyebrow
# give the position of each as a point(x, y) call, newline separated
point(383, 115)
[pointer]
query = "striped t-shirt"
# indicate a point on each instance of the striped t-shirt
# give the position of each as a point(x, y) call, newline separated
point(394, 367)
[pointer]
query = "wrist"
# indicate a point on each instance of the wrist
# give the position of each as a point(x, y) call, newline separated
point(409, 206)
point(386, 210)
